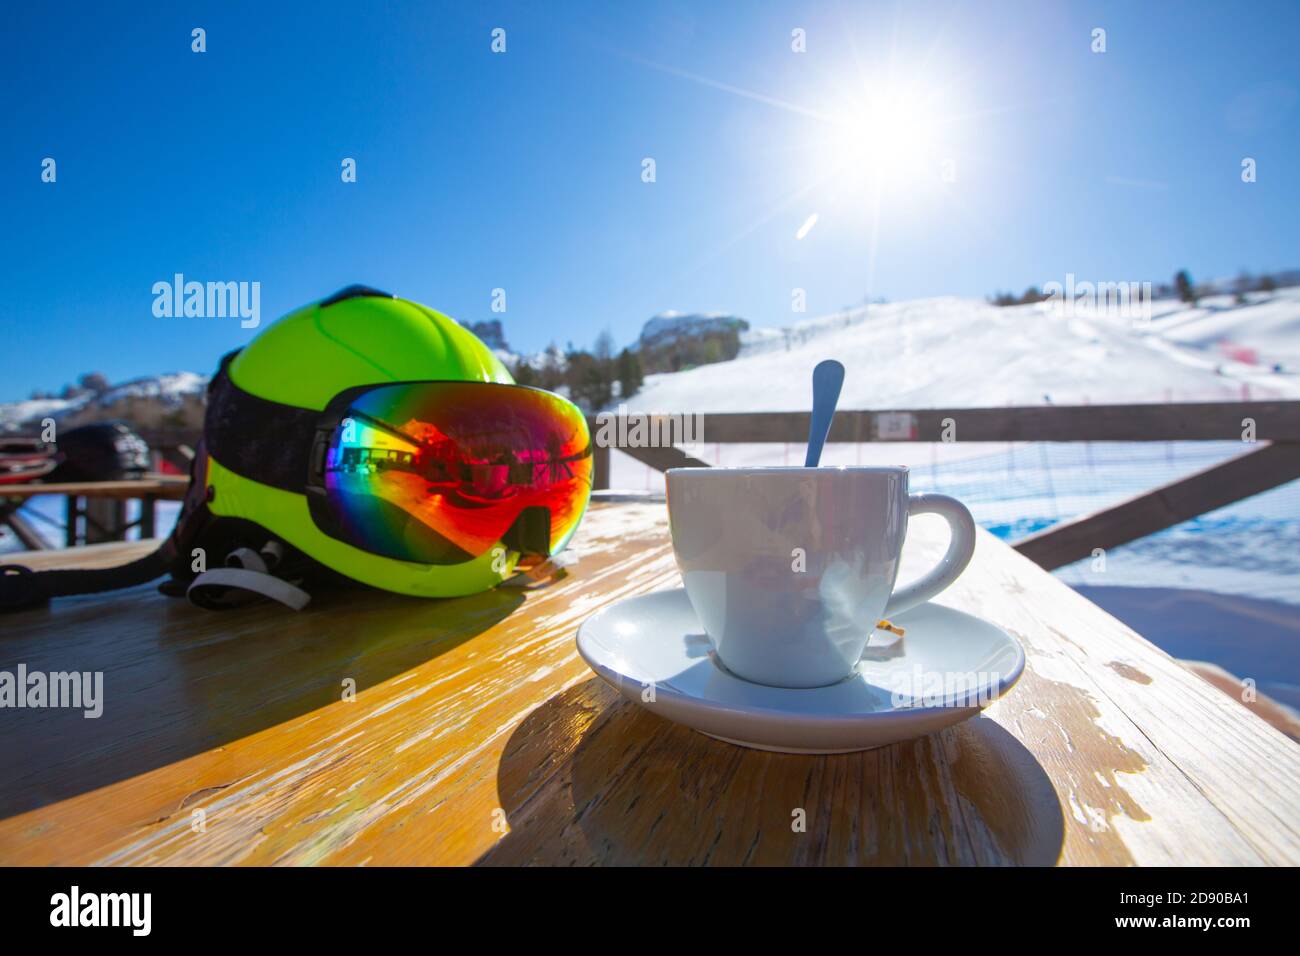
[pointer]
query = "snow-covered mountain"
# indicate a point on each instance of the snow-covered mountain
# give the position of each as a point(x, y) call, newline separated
point(150, 397)
point(669, 327)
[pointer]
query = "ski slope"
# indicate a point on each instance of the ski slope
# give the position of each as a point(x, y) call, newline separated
point(949, 352)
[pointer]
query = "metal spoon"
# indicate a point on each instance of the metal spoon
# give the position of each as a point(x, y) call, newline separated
point(828, 377)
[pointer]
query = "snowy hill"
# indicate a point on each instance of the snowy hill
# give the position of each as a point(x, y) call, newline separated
point(151, 397)
point(1265, 330)
point(959, 352)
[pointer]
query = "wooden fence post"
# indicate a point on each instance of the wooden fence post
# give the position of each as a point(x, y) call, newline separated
point(600, 467)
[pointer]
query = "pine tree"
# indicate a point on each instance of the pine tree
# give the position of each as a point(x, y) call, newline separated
point(95, 382)
point(525, 374)
point(1241, 286)
point(630, 375)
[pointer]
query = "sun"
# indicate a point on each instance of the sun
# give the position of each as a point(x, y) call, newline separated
point(890, 137)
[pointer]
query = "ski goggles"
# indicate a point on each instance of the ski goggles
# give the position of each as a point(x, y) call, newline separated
point(436, 472)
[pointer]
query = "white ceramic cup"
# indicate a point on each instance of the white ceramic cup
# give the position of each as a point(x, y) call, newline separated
point(789, 569)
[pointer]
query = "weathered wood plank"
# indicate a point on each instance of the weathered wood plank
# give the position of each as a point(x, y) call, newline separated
point(23, 530)
point(661, 459)
point(478, 735)
point(89, 556)
point(165, 487)
point(1203, 421)
point(599, 467)
point(1222, 484)
point(1188, 421)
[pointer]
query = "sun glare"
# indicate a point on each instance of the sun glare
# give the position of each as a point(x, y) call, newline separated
point(892, 138)
point(873, 144)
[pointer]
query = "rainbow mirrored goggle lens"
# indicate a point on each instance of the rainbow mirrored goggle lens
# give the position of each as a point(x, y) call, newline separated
point(440, 472)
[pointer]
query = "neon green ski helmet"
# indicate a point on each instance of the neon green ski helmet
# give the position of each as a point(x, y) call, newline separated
point(357, 337)
point(364, 436)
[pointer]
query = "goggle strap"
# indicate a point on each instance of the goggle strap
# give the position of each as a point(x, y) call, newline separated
point(531, 532)
point(276, 452)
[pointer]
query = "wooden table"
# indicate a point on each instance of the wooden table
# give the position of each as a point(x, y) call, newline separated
point(477, 735)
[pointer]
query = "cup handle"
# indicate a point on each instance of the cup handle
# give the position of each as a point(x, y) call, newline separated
point(960, 548)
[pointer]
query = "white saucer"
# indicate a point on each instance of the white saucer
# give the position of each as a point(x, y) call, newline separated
point(656, 642)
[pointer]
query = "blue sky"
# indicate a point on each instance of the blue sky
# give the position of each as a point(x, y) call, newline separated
point(523, 170)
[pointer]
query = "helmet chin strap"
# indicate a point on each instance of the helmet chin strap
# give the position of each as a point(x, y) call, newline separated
point(245, 578)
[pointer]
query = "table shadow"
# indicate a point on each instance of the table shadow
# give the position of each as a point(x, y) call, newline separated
point(179, 680)
point(591, 778)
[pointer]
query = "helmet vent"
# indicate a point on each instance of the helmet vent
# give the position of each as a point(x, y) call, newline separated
point(355, 292)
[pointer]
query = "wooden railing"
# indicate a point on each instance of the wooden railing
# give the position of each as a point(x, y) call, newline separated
point(1269, 432)
point(95, 511)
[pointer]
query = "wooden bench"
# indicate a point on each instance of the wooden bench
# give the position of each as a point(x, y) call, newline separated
point(477, 735)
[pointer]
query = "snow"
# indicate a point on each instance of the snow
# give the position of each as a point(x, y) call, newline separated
point(14, 414)
point(1267, 324)
point(170, 388)
point(950, 352)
